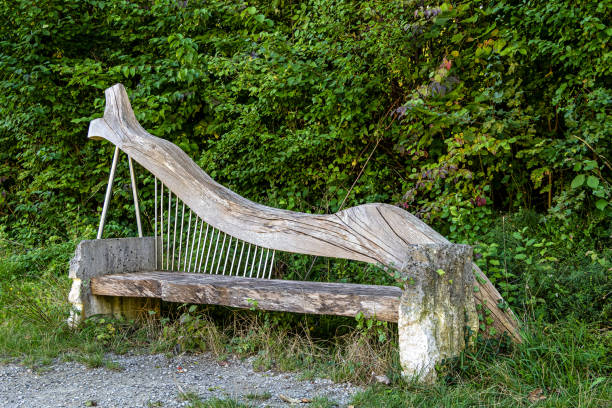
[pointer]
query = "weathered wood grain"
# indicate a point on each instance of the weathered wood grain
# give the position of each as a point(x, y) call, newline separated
point(374, 233)
point(340, 299)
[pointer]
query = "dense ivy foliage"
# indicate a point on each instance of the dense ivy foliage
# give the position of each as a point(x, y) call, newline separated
point(454, 110)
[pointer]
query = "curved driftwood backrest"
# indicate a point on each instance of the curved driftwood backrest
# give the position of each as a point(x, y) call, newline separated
point(374, 233)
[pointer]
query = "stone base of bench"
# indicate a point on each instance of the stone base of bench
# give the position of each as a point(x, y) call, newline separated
point(117, 276)
point(437, 308)
point(94, 258)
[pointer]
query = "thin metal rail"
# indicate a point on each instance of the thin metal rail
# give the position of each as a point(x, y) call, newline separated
point(178, 261)
point(109, 189)
point(195, 265)
point(135, 195)
point(161, 224)
point(240, 259)
point(187, 241)
point(195, 229)
point(176, 204)
point(253, 262)
point(155, 223)
point(203, 248)
point(221, 254)
point(271, 264)
point(168, 239)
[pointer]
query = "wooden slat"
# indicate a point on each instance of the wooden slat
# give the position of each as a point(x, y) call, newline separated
point(341, 299)
point(375, 233)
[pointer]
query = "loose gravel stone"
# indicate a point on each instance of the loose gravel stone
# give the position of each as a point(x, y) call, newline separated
point(158, 380)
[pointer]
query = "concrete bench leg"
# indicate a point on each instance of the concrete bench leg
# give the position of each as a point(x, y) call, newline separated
point(436, 308)
point(106, 256)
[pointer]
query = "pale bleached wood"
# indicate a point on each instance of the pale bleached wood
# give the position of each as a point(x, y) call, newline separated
point(374, 233)
point(340, 299)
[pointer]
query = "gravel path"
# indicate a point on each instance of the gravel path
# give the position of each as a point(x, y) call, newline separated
point(156, 381)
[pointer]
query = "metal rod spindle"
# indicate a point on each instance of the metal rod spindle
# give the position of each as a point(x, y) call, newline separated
point(195, 265)
point(253, 262)
point(260, 260)
point(229, 247)
point(155, 223)
point(265, 265)
point(221, 253)
point(109, 189)
point(187, 241)
point(195, 229)
point(234, 257)
point(203, 249)
point(246, 261)
point(135, 195)
point(263, 273)
point(176, 204)
point(240, 258)
point(161, 224)
point(271, 264)
point(212, 263)
point(168, 239)
point(178, 261)
point(212, 238)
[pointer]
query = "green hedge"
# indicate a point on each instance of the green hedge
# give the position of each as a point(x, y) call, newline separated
point(454, 111)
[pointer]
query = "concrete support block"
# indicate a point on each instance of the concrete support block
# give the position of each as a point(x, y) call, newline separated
point(436, 309)
point(106, 256)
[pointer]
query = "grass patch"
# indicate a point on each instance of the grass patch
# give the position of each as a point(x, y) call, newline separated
point(93, 360)
point(215, 403)
point(566, 363)
point(189, 396)
point(258, 397)
point(323, 402)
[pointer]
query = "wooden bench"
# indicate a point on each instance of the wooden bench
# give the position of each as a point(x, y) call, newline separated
point(212, 246)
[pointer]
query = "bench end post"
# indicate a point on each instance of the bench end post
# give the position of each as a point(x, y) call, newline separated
point(100, 257)
point(436, 309)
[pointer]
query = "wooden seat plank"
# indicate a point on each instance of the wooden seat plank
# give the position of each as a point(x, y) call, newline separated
point(343, 299)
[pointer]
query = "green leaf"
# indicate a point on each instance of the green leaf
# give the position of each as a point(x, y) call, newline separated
point(456, 38)
point(251, 10)
point(601, 204)
point(499, 44)
point(577, 181)
point(592, 182)
point(597, 381)
point(441, 21)
point(440, 272)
